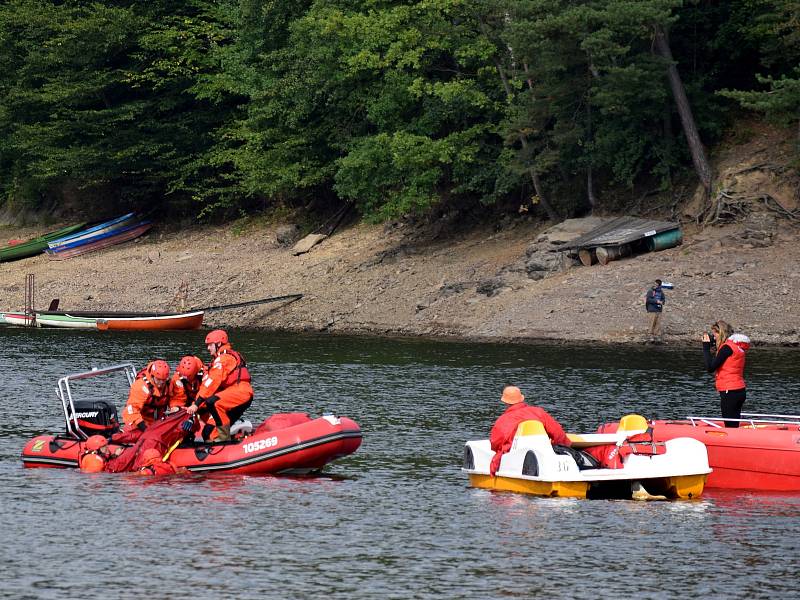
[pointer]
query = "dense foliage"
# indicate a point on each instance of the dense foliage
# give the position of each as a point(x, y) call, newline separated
point(214, 107)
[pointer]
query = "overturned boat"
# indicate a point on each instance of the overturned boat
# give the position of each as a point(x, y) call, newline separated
point(646, 469)
point(762, 453)
point(283, 444)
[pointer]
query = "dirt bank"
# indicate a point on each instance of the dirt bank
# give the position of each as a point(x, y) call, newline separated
point(483, 285)
point(368, 280)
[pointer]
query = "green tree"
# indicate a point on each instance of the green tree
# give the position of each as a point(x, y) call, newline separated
point(386, 104)
point(775, 27)
point(107, 99)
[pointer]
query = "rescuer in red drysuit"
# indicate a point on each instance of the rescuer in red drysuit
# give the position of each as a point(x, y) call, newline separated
point(226, 391)
point(185, 383)
point(159, 437)
point(505, 428)
point(147, 397)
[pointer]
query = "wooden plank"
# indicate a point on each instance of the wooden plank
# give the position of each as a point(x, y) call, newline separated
point(307, 243)
point(622, 230)
point(583, 241)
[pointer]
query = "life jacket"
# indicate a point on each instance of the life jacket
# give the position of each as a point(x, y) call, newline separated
point(158, 397)
point(240, 373)
point(191, 387)
point(642, 444)
point(730, 375)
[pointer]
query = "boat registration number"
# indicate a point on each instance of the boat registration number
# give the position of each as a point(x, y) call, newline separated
point(260, 444)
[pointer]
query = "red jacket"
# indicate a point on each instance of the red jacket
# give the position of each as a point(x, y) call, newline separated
point(181, 392)
point(157, 469)
point(227, 369)
point(504, 429)
point(145, 401)
point(730, 374)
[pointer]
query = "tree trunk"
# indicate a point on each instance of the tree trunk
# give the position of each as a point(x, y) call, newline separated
point(537, 184)
point(590, 189)
point(592, 199)
point(699, 159)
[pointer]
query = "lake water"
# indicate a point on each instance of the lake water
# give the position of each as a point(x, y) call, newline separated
point(396, 519)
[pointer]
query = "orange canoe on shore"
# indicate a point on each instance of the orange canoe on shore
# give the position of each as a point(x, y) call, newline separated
point(191, 320)
point(120, 321)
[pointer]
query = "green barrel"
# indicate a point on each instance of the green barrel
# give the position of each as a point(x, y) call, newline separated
point(664, 240)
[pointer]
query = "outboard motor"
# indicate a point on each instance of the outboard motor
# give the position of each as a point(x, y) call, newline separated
point(95, 417)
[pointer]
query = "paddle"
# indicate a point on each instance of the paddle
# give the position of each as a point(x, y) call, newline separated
point(171, 448)
point(290, 297)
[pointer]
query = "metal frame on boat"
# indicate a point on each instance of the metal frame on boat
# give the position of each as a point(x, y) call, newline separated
point(64, 393)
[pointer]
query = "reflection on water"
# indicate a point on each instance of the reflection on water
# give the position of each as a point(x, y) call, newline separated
point(397, 519)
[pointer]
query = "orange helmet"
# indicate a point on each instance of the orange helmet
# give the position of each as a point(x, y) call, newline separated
point(159, 369)
point(512, 395)
point(218, 336)
point(190, 366)
point(96, 442)
point(150, 456)
point(92, 463)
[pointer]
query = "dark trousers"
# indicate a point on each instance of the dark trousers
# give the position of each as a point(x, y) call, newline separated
point(731, 403)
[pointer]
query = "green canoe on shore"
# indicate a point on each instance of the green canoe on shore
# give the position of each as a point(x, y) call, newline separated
point(36, 245)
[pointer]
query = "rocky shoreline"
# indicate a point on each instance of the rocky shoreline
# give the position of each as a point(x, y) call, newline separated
point(510, 285)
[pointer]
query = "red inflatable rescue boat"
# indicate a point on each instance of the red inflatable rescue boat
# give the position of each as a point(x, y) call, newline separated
point(290, 443)
point(762, 453)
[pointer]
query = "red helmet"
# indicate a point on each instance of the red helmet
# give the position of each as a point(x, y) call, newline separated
point(92, 463)
point(160, 369)
point(189, 366)
point(218, 336)
point(96, 442)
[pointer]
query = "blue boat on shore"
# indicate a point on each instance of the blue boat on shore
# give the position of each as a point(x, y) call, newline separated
point(115, 231)
point(91, 234)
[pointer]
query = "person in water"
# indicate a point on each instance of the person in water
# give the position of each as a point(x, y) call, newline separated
point(95, 455)
point(728, 368)
point(226, 391)
point(505, 428)
point(153, 464)
point(158, 440)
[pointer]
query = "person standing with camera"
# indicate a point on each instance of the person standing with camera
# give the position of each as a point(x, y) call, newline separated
point(654, 305)
point(728, 368)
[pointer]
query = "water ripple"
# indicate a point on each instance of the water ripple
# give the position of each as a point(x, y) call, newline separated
point(397, 519)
